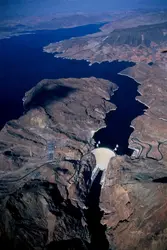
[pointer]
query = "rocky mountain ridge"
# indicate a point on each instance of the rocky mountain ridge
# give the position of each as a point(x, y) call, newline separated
point(142, 43)
point(46, 198)
point(46, 164)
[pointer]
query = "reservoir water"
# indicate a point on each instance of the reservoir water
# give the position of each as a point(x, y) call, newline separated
point(23, 64)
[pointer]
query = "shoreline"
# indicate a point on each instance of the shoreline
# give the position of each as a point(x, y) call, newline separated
point(30, 31)
point(58, 55)
point(123, 74)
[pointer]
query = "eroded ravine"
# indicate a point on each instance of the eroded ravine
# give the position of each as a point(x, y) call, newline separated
point(94, 215)
point(118, 122)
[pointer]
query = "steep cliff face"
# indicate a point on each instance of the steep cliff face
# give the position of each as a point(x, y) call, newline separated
point(133, 197)
point(149, 136)
point(133, 200)
point(127, 42)
point(47, 200)
point(46, 164)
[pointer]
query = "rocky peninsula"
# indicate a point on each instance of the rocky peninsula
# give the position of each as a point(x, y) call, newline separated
point(46, 164)
point(136, 38)
point(56, 190)
point(149, 137)
point(47, 198)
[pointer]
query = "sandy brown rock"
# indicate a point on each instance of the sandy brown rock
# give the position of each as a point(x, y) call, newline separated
point(150, 130)
point(134, 204)
point(139, 40)
point(46, 164)
point(46, 168)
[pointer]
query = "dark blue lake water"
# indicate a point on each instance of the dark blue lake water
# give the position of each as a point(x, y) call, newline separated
point(23, 64)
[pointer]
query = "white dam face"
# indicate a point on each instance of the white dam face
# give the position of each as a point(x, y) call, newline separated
point(102, 156)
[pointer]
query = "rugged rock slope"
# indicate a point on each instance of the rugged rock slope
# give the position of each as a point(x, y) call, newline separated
point(134, 195)
point(150, 130)
point(127, 42)
point(46, 165)
point(134, 204)
point(46, 199)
